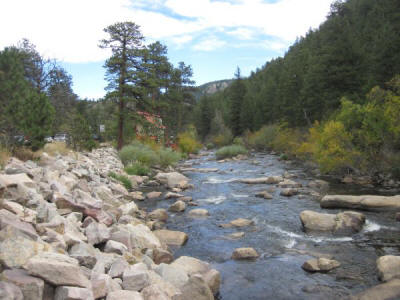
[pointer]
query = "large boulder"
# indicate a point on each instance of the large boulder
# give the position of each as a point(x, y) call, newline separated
point(31, 287)
point(385, 291)
point(159, 214)
point(178, 206)
point(172, 180)
point(170, 237)
point(136, 277)
point(388, 267)
point(341, 223)
point(173, 274)
point(84, 253)
point(97, 233)
point(57, 269)
point(8, 219)
point(9, 291)
point(16, 248)
point(197, 288)
point(73, 293)
point(366, 202)
point(124, 295)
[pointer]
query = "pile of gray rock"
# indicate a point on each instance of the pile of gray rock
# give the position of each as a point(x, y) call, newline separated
point(69, 231)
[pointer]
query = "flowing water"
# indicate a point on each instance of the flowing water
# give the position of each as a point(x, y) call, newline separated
point(277, 235)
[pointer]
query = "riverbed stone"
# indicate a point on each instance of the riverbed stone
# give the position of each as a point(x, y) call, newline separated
point(31, 287)
point(365, 202)
point(199, 213)
point(171, 237)
point(178, 206)
point(287, 183)
point(318, 185)
point(245, 253)
point(84, 253)
point(173, 274)
point(170, 195)
point(118, 268)
point(162, 256)
point(154, 292)
point(388, 267)
point(320, 265)
point(57, 269)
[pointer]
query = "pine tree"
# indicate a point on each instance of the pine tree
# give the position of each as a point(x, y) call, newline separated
point(238, 91)
point(123, 69)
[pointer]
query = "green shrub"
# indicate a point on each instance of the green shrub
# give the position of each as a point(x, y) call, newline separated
point(263, 139)
point(137, 168)
point(188, 143)
point(210, 146)
point(238, 141)
point(137, 152)
point(168, 157)
point(123, 179)
point(230, 151)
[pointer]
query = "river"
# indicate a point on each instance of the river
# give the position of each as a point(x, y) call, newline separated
point(277, 234)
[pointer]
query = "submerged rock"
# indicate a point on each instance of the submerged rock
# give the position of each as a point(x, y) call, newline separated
point(245, 253)
point(320, 265)
point(262, 180)
point(386, 291)
point(199, 212)
point(171, 237)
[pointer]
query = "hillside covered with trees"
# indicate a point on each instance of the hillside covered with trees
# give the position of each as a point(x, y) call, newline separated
point(339, 80)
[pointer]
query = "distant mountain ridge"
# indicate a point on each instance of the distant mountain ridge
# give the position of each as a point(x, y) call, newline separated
point(212, 87)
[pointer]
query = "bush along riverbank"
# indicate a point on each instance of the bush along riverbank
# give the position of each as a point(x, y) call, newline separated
point(70, 229)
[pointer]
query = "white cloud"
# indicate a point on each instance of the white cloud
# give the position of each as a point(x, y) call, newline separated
point(70, 29)
point(242, 33)
point(209, 44)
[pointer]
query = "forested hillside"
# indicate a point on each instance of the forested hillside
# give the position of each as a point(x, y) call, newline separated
point(354, 50)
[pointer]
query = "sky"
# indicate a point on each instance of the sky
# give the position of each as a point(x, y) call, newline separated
point(213, 36)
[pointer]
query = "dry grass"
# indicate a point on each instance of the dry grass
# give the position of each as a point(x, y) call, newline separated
point(24, 154)
point(56, 148)
point(5, 154)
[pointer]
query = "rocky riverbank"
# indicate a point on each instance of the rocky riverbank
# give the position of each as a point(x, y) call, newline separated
point(69, 231)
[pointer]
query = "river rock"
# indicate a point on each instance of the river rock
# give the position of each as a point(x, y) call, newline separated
point(159, 214)
point(388, 267)
point(241, 222)
point(170, 237)
point(118, 268)
point(102, 284)
point(172, 180)
point(170, 195)
point(153, 195)
point(287, 183)
point(319, 185)
point(262, 180)
point(57, 269)
point(367, 202)
point(16, 179)
point(244, 253)
point(385, 291)
point(320, 265)
point(9, 291)
point(289, 192)
point(341, 223)
point(31, 287)
point(235, 235)
point(199, 212)
point(178, 206)
point(73, 293)
point(9, 219)
point(124, 295)
point(264, 194)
